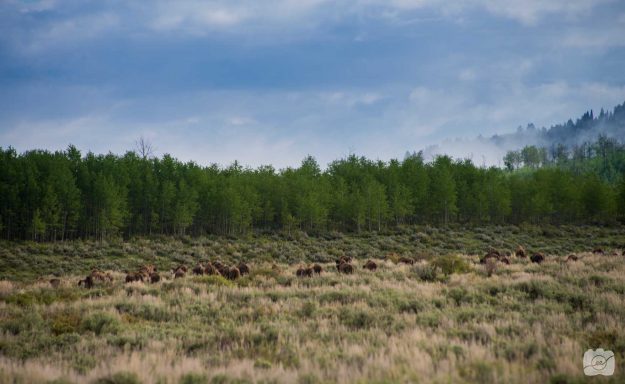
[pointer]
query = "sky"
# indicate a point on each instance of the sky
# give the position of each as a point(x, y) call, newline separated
point(272, 81)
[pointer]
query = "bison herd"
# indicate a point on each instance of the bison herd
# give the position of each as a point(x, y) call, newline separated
point(343, 265)
point(149, 273)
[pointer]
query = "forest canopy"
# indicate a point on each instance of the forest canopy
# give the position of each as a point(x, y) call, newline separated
point(59, 195)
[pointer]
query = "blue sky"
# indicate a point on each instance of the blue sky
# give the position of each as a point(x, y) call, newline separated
point(268, 82)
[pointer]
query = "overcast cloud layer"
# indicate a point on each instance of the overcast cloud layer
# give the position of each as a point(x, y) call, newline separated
point(268, 82)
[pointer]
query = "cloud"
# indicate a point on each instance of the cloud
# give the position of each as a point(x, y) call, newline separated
point(68, 21)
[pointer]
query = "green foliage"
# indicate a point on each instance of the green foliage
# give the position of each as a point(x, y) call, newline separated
point(100, 323)
point(193, 378)
point(55, 196)
point(450, 264)
point(119, 378)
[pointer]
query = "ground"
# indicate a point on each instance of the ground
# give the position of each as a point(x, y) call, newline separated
point(447, 318)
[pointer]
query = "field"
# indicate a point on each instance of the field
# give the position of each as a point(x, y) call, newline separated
point(447, 318)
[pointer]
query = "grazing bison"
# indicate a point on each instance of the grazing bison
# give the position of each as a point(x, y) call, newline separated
point(345, 268)
point(598, 251)
point(181, 267)
point(537, 258)
point(406, 260)
point(155, 277)
point(317, 269)
point(198, 269)
point(87, 282)
point(134, 276)
point(572, 258)
point(179, 273)
point(304, 272)
point(370, 265)
point(209, 269)
point(343, 259)
point(504, 260)
point(243, 268)
point(148, 268)
point(221, 267)
point(233, 273)
point(98, 275)
point(520, 252)
point(55, 283)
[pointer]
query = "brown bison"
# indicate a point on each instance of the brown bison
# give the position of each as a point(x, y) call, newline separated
point(221, 267)
point(243, 268)
point(155, 277)
point(98, 275)
point(572, 258)
point(209, 269)
point(55, 283)
point(148, 268)
point(179, 273)
point(304, 272)
point(370, 265)
point(598, 251)
point(232, 273)
point(504, 259)
point(520, 252)
point(134, 276)
point(87, 282)
point(181, 267)
point(343, 259)
point(345, 268)
point(537, 258)
point(198, 269)
point(317, 269)
point(406, 260)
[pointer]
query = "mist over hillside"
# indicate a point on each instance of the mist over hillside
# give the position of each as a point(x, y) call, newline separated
point(491, 150)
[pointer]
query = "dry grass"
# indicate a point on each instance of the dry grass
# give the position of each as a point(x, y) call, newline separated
point(525, 323)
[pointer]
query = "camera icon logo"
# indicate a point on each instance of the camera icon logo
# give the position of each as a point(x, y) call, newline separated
point(598, 362)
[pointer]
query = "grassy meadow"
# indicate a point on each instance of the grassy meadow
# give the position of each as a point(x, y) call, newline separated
point(445, 319)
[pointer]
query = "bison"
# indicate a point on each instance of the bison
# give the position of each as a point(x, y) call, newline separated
point(598, 251)
point(243, 268)
point(520, 252)
point(179, 273)
point(406, 260)
point(572, 258)
point(181, 267)
point(370, 265)
point(55, 283)
point(87, 282)
point(209, 269)
point(537, 258)
point(304, 272)
point(155, 277)
point(134, 276)
point(198, 269)
point(233, 273)
point(343, 259)
point(317, 269)
point(345, 268)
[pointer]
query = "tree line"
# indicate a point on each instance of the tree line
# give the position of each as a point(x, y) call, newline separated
point(48, 196)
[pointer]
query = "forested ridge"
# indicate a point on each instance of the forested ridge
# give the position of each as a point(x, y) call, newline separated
point(48, 196)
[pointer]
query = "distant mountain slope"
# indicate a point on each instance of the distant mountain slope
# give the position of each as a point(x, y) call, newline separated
point(490, 151)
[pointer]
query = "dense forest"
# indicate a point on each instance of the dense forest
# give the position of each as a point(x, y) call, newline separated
point(54, 196)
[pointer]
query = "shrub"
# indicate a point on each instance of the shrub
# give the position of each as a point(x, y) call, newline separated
point(427, 272)
point(100, 323)
point(356, 318)
point(65, 322)
point(450, 264)
point(193, 378)
point(119, 378)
